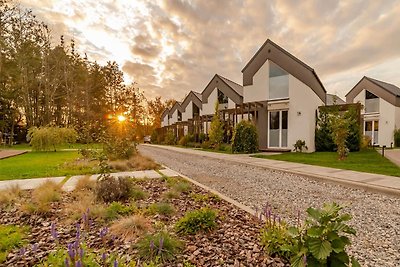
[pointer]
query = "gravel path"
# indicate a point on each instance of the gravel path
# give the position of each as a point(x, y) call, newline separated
point(376, 217)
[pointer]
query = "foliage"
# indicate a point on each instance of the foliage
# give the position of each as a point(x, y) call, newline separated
point(119, 142)
point(202, 137)
point(48, 138)
point(170, 138)
point(245, 138)
point(138, 193)
point(185, 140)
point(353, 140)
point(300, 145)
point(155, 137)
point(164, 209)
point(160, 246)
point(11, 237)
point(340, 132)
point(131, 227)
point(85, 184)
point(216, 133)
point(206, 145)
point(109, 189)
point(396, 137)
point(10, 195)
point(182, 187)
point(203, 219)
point(136, 162)
point(321, 241)
point(116, 209)
point(42, 197)
point(365, 142)
point(200, 197)
point(323, 136)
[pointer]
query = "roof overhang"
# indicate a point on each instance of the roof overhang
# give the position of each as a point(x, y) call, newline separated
point(175, 107)
point(191, 97)
point(218, 82)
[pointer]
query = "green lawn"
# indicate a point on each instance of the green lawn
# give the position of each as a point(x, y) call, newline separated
point(61, 147)
point(363, 161)
point(41, 164)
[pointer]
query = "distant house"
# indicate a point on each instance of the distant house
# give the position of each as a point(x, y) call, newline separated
point(381, 112)
point(334, 100)
point(165, 118)
point(191, 111)
point(284, 94)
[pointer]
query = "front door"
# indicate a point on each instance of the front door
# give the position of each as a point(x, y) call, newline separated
point(371, 129)
point(278, 129)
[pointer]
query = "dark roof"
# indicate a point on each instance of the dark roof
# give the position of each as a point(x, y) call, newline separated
point(384, 90)
point(391, 88)
point(198, 95)
point(165, 112)
point(291, 64)
point(334, 99)
point(235, 86)
point(231, 89)
point(176, 106)
point(194, 97)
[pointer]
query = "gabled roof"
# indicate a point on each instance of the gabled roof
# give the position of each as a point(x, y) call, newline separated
point(165, 112)
point(384, 90)
point(176, 106)
point(334, 99)
point(192, 97)
point(231, 89)
point(271, 51)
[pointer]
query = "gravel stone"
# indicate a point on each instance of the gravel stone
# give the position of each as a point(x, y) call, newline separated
point(376, 217)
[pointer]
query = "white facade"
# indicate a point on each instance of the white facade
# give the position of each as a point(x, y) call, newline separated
point(165, 121)
point(387, 118)
point(258, 91)
point(209, 107)
point(174, 117)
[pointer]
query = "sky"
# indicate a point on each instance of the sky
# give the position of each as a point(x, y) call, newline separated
point(174, 46)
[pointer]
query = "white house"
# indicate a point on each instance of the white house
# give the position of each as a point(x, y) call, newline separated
point(381, 109)
point(227, 93)
point(286, 94)
point(191, 109)
point(165, 118)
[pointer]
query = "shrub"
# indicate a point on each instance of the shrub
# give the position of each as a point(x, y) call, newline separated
point(182, 187)
point(161, 246)
point(197, 220)
point(171, 194)
point(42, 197)
point(245, 138)
point(323, 136)
point(396, 138)
point(136, 162)
point(216, 133)
point(353, 140)
point(322, 241)
point(365, 142)
point(199, 197)
point(11, 237)
point(185, 140)
point(48, 138)
point(170, 138)
point(155, 137)
point(164, 209)
point(131, 227)
point(224, 147)
point(11, 195)
point(300, 145)
point(138, 193)
point(116, 209)
point(206, 145)
point(109, 189)
point(85, 184)
point(119, 148)
point(340, 132)
point(202, 137)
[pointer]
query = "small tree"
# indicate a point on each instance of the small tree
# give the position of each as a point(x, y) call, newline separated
point(397, 138)
point(216, 128)
point(170, 138)
point(340, 132)
point(323, 135)
point(48, 138)
point(245, 138)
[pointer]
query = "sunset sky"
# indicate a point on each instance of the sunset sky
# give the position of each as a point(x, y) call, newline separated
point(171, 47)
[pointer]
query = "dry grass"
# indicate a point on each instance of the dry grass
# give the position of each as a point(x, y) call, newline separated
point(83, 202)
point(85, 184)
point(42, 197)
point(131, 227)
point(10, 195)
point(136, 163)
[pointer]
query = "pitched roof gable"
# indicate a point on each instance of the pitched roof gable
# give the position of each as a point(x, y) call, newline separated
point(294, 66)
point(192, 97)
point(176, 106)
point(384, 90)
point(231, 89)
point(165, 112)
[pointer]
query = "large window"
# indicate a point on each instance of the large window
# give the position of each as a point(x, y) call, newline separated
point(195, 110)
point(278, 82)
point(371, 102)
point(179, 116)
point(371, 129)
point(278, 128)
point(222, 98)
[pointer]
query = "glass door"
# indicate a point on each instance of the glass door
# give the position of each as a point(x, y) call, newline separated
point(278, 129)
point(371, 129)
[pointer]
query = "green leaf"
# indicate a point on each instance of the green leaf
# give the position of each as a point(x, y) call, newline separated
point(298, 261)
point(342, 257)
point(332, 236)
point(345, 217)
point(320, 249)
point(315, 231)
point(293, 231)
point(354, 262)
point(314, 213)
point(337, 245)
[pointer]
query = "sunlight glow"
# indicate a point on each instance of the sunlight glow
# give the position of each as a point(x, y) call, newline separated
point(121, 118)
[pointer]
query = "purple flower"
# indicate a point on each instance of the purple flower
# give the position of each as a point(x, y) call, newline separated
point(78, 264)
point(151, 246)
point(53, 231)
point(71, 251)
point(104, 257)
point(35, 247)
point(22, 252)
point(115, 263)
point(66, 262)
point(160, 245)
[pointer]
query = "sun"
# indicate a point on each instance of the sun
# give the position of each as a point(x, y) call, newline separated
point(121, 118)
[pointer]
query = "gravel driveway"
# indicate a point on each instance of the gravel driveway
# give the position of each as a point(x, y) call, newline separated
point(376, 217)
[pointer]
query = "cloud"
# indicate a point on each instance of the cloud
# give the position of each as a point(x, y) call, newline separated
point(171, 47)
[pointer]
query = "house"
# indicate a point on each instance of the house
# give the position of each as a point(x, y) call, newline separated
point(334, 100)
point(191, 111)
point(175, 119)
point(227, 93)
point(165, 118)
point(381, 109)
point(283, 95)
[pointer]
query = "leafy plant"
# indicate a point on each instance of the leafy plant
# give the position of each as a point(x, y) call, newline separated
point(11, 237)
point(300, 145)
point(164, 209)
point(396, 137)
point(185, 140)
point(203, 219)
point(202, 137)
point(182, 187)
point(340, 132)
point(245, 138)
point(109, 189)
point(160, 246)
point(323, 136)
point(216, 133)
point(170, 138)
point(48, 138)
point(138, 193)
point(199, 197)
point(116, 209)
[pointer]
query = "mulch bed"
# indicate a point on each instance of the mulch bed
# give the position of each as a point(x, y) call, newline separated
point(235, 242)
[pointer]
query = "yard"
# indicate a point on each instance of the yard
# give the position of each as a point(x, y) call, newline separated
point(363, 161)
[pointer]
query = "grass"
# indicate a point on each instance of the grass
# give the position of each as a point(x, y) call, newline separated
point(11, 237)
point(41, 164)
point(131, 227)
point(26, 146)
point(363, 161)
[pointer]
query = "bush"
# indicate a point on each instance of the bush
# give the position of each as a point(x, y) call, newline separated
point(322, 241)
point(161, 246)
point(185, 140)
point(202, 137)
point(10, 237)
point(182, 187)
point(164, 209)
point(216, 133)
point(85, 184)
point(42, 197)
point(155, 137)
point(245, 138)
point(197, 220)
point(300, 145)
point(48, 138)
point(206, 145)
point(119, 148)
point(353, 140)
point(170, 138)
point(397, 138)
point(365, 142)
point(109, 189)
point(131, 227)
point(138, 193)
point(116, 209)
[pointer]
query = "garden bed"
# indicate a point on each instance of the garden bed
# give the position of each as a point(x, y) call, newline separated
point(154, 208)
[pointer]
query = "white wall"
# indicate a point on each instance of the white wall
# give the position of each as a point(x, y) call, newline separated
point(188, 112)
point(165, 121)
point(174, 117)
point(258, 91)
point(302, 126)
point(397, 118)
point(209, 107)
